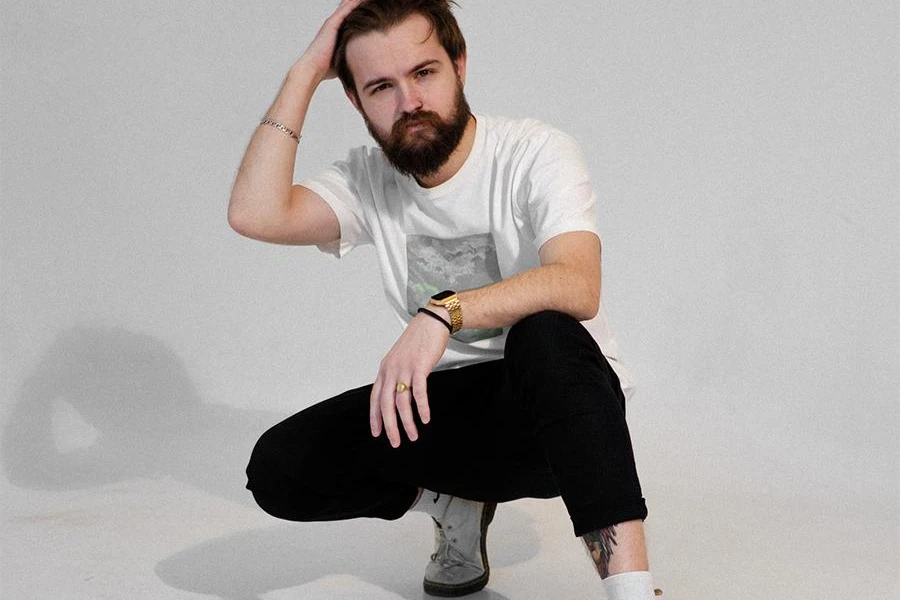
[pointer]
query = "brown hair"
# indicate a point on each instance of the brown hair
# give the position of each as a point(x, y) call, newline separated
point(381, 15)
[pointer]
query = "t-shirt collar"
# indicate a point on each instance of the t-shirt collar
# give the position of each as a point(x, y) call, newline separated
point(412, 186)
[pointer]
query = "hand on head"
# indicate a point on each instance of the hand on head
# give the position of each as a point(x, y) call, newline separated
point(318, 55)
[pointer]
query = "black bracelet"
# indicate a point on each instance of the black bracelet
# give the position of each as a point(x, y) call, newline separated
point(434, 315)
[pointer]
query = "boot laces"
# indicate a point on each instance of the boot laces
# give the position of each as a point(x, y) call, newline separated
point(448, 554)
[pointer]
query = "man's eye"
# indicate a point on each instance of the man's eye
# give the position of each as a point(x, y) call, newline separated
point(424, 72)
point(380, 88)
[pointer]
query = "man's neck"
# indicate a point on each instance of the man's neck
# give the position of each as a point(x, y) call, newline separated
point(456, 161)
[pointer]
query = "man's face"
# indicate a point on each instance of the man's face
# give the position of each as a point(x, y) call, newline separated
point(410, 94)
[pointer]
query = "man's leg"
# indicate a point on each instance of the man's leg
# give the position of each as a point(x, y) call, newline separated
point(323, 464)
point(561, 380)
point(320, 465)
point(620, 557)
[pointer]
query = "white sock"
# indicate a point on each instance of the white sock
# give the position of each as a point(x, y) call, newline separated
point(633, 585)
point(433, 503)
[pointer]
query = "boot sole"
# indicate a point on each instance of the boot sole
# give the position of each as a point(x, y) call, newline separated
point(470, 587)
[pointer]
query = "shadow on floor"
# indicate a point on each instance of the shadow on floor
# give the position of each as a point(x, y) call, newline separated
point(292, 555)
point(107, 404)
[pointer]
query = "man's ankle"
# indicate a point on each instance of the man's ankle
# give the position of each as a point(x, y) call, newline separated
point(631, 585)
point(617, 548)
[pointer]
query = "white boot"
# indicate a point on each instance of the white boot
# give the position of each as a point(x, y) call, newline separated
point(459, 565)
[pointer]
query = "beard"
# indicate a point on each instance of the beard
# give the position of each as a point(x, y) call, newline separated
point(422, 152)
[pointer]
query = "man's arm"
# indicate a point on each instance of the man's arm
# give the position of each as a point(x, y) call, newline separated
point(568, 281)
point(264, 203)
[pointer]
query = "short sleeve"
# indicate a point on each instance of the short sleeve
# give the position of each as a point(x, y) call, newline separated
point(560, 197)
point(339, 187)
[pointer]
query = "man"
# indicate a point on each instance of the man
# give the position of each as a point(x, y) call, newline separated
point(486, 238)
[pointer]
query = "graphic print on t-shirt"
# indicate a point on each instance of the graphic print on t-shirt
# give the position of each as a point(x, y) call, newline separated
point(434, 265)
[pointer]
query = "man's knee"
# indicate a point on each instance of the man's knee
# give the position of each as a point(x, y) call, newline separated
point(264, 469)
point(544, 336)
point(262, 462)
point(274, 485)
point(284, 449)
point(554, 362)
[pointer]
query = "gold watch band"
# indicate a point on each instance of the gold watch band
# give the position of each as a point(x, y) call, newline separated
point(451, 303)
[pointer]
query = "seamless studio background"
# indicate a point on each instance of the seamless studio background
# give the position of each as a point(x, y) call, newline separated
point(746, 159)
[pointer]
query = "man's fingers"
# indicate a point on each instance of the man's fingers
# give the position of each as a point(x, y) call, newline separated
point(375, 422)
point(420, 393)
point(344, 9)
point(403, 401)
point(389, 414)
point(321, 49)
point(403, 376)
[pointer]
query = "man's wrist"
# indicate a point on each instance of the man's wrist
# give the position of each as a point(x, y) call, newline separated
point(305, 74)
point(449, 300)
point(436, 317)
point(441, 311)
point(299, 86)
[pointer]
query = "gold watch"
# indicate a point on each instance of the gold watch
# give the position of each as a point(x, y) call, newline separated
point(449, 300)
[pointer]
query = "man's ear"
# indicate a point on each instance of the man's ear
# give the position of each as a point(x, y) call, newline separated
point(460, 65)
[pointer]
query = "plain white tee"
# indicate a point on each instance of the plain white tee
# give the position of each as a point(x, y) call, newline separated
point(523, 183)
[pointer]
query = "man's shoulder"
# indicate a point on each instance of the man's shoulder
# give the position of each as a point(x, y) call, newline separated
point(516, 127)
point(522, 135)
point(363, 161)
point(365, 154)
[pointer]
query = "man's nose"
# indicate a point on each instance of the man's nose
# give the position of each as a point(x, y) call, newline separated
point(411, 99)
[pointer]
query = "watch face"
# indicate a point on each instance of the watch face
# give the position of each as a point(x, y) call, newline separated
point(442, 295)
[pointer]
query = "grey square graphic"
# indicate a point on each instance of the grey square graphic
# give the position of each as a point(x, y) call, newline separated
point(435, 264)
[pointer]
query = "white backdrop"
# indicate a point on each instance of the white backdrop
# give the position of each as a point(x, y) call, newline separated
point(746, 158)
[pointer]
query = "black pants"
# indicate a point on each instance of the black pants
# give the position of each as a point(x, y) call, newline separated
point(547, 420)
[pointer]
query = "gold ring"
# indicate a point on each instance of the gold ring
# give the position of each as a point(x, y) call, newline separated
point(402, 387)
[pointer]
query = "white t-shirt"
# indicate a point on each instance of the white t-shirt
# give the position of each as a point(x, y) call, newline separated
point(523, 183)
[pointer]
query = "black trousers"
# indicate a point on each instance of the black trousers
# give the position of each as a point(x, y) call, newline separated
point(546, 420)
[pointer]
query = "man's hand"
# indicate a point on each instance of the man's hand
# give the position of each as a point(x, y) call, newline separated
point(409, 361)
point(319, 54)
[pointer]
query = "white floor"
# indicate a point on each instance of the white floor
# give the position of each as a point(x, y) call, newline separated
point(146, 524)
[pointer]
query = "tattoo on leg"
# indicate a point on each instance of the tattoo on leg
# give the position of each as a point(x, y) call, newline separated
point(600, 544)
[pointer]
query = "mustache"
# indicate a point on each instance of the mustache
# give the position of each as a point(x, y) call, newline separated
point(423, 117)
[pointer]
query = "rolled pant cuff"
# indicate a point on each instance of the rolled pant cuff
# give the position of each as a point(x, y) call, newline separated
point(604, 517)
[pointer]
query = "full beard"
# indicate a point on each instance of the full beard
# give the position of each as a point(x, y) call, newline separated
point(421, 153)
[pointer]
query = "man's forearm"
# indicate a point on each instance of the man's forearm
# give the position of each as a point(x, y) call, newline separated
point(262, 189)
point(568, 281)
point(552, 287)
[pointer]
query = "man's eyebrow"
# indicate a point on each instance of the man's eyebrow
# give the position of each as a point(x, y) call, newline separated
point(418, 67)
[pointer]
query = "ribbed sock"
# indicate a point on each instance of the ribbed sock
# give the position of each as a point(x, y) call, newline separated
point(634, 585)
point(433, 503)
